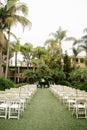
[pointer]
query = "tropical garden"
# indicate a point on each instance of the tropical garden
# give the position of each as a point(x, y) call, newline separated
point(48, 61)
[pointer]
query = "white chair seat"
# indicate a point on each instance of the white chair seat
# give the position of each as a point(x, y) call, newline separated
point(15, 106)
point(4, 105)
point(79, 106)
point(71, 101)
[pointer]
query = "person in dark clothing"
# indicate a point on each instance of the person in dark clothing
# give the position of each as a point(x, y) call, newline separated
point(43, 83)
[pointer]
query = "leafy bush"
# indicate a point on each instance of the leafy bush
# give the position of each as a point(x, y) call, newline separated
point(6, 84)
point(64, 82)
point(79, 75)
point(79, 85)
point(57, 75)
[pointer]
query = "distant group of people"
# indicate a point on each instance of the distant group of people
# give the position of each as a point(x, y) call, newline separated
point(43, 83)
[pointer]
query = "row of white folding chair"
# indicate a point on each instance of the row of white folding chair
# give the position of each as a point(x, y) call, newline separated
point(12, 103)
point(17, 96)
point(62, 93)
point(8, 106)
point(77, 103)
point(70, 99)
point(26, 95)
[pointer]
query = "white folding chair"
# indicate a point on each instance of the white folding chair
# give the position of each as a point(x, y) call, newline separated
point(71, 101)
point(15, 109)
point(4, 104)
point(79, 108)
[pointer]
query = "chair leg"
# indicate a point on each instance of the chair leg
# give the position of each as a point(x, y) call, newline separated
point(6, 113)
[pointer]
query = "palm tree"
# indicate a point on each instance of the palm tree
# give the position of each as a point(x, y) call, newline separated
point(2, 36)
point(58, 37)
point(84, 43)
point(2, 44)
point(55, 45)
point(52, 46)
point(76, 51)
point(27, 52)
point(39, 53)
point(15, 47)
point(9, 16)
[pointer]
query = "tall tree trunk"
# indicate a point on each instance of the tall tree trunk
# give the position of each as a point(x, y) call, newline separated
point(60, 50)
point(2, 43)
point(15, 67)
point(7, 61)
point(0, 62)
point(60, 56)
point(74, 64)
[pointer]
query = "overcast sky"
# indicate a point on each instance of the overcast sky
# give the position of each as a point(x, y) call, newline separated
point(47, 15)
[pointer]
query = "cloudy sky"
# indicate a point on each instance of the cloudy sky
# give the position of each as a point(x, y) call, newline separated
point(46, 17)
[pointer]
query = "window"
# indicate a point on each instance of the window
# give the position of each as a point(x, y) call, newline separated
point(76, 59)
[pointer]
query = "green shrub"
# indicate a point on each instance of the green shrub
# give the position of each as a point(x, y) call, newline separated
point(6, 84)
point(64, 82)
point(79, 85)
point(80, 74)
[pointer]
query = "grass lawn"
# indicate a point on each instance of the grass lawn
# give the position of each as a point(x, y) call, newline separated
point(45, 112)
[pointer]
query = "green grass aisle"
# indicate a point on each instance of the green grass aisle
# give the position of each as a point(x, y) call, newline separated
point(45, 112)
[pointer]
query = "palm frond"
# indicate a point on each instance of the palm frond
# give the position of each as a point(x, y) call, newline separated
point(59, 35)
point(23, 21)
point(84, 37)
point(83, 46)
point(74, 40)
point(76, 51)
point(13, 7)
point(85, 30)
point(10, 4)
point(49, 41)
point(70, 39)
point(52, 34)
point(1, 5)
point(15, 37)
point(22, 8)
